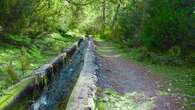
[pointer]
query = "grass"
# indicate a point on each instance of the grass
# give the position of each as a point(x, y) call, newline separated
point(176, 79)
point(111, 100)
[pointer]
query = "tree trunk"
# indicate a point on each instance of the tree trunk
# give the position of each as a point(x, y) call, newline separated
point(114, 20)
point(103, 15)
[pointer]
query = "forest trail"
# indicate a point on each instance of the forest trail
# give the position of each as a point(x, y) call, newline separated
point(125, 77)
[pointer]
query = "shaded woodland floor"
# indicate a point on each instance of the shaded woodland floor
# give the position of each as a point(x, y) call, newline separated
point(125, 85)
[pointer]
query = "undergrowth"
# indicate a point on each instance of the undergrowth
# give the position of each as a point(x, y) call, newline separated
point(17, 63)
point(111, 100)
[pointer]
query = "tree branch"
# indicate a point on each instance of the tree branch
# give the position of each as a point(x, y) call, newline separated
point(74, 3)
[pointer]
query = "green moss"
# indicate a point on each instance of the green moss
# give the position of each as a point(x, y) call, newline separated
point(111, 100)
point(13, 91)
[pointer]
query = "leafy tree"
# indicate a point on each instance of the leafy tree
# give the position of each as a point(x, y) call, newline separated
point(169, 24)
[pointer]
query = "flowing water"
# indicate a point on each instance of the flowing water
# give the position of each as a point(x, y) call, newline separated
point(56, 94)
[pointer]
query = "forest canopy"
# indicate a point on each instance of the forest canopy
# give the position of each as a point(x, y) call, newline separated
point(160, 34)
point(164, 27)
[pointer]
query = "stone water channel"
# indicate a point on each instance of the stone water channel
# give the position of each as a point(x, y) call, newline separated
point(54, 82)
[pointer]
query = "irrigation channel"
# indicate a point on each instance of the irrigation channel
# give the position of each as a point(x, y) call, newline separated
point(52, 84)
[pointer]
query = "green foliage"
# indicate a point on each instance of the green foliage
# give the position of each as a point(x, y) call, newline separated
point(111, 100)
point(32, 32)
point(9, 69)
point(31, 16)
point(168, 25)
point(130, 21)
point(24, 63)
point(155, 31)
point(158, 25)
point(164, 27)
point(26, 59)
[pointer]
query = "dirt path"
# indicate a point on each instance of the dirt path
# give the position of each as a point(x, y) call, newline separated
point(125, 77)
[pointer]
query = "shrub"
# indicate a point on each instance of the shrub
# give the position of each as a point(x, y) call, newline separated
point(24, 63)
point(9, 69)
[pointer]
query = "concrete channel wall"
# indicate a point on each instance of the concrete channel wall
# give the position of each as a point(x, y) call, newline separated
point(46, 74)
point(56, 94)
point(83, 94)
